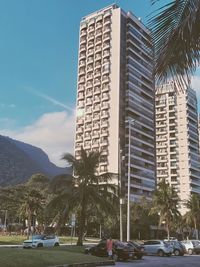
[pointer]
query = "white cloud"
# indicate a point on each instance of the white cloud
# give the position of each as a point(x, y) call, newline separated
point(52, 132)
point(196, 82)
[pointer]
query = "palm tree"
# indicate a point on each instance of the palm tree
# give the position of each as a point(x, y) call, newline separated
point(165, 204)
point(193, 206)
point(84, 189)
point(176, 36)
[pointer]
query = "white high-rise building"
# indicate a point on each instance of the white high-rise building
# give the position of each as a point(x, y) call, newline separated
point(115, 87)
point(177, 140)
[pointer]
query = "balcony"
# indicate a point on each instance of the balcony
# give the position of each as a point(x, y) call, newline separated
point(88, 103)
point(88, 110)
point(98, 48)
point(104, 133)
point(79, 130)
point(82, 56)
point(98, 41)
point(96, 126)
point(89, 77)
point(96, 108)
point(88, 128)
point(81, 80)
point(106, 29)
point(87, 137)
point(97, 99)
point(105, 88)
point(105, 79)
point(96, 144)
point(105, 106)
point(83, 32)
point(81, 88)
point(104, 115)
point(97, 74)
point(98, 56)
point(104, 123)
point(82, 48)
point(106, 36)
point(105, 97)
point(89, 69)
point(88, 119)
point(89, 92)
point(98, 33)
point(104, 142)
point(80, 96)
point(95, 135)
point(89, 84)
point(90, 52)
point(90, 44)
point(106, 54)
point(83, 41)
point(87, 146)
point(79, 138)
point(91, 29)
point(81, 71)
point(99, 25)
point(80, 121)
point(96, 117)
point(97, 82)
point(97, 66)
point(97, 90)
point(82, 63)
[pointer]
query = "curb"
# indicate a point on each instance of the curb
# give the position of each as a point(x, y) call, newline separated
point(87, 264)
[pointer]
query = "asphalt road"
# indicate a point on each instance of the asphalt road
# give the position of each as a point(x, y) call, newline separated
point(155, 261)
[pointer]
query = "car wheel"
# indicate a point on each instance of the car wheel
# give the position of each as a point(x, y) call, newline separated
point(115, 257)
point(190, 252)
point(160, 253)
point(176, 252)
point(40, 245)
point(56, 244)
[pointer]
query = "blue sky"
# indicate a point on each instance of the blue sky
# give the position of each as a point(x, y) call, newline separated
point(38, 52)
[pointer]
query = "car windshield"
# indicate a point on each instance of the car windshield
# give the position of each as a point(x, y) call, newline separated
point(36, 237)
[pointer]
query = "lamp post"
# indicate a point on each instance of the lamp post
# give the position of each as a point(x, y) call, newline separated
point(130, 121)
point(120, 194)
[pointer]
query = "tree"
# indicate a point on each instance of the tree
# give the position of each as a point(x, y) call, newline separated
point(84, 189)
point(192, 215)
point(31, 196)
point(176, 36)
point(165, 204)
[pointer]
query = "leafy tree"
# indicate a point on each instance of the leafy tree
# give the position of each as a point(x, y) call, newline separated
point(176, 36)
point(83, 190)
point(31, 196)
point(193, 216)
point(165, 204)
point(141, 219)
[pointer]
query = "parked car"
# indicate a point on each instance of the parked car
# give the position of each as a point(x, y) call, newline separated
point(41, 241)
point(158, 247)
point(196, 244)
point(138, 249)
point(178, 248)
point(189, 246)
point(121, 250)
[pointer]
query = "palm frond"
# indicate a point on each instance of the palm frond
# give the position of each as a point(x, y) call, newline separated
point(176, 36)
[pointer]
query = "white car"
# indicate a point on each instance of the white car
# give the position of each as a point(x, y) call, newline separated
point(189, 246)
point(41, 241)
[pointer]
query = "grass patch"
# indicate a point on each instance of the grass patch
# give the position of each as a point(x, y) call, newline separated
point(18, 240)
point(43, 257)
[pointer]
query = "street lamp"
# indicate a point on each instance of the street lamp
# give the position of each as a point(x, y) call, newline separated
point(129, 121)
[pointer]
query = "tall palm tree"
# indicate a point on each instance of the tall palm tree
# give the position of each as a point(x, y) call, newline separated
point(176, 36)
point(84, 189)
point(193, 215)
point(165, 204)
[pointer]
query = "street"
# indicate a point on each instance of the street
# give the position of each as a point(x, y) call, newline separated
point(154, 261)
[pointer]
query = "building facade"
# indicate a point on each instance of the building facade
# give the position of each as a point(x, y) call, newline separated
point(115, 97)
point(177, 140)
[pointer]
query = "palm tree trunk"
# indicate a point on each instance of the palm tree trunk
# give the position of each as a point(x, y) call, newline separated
point(81, 226)
point(168, 233)
point(196, 230)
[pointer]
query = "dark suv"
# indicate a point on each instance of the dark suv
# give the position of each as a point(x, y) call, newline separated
point(121, 250)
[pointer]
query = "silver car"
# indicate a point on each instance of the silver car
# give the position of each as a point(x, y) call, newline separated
point(158, 247)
